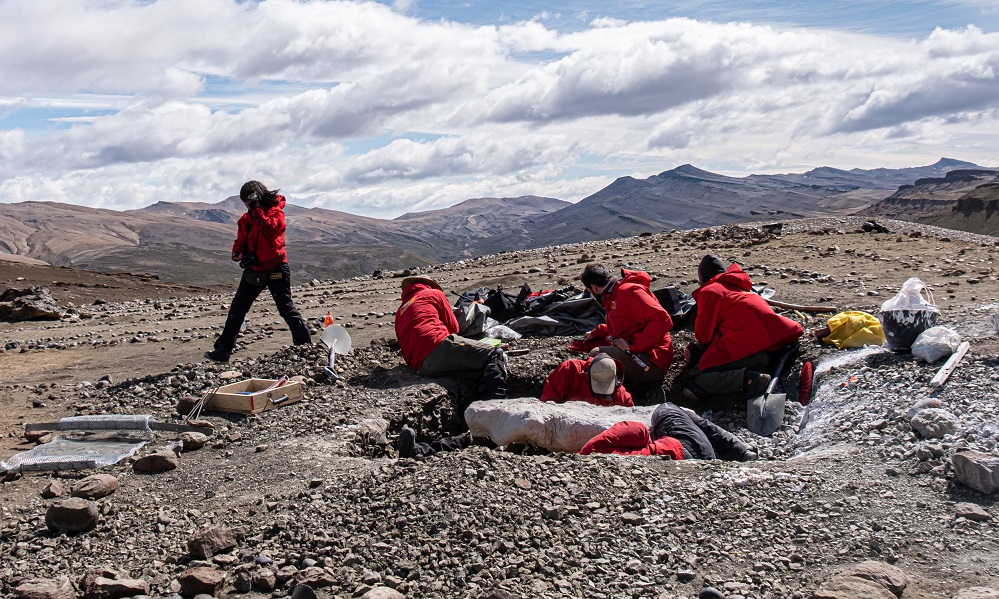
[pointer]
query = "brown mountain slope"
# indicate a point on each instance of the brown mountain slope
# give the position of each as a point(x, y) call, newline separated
point(976, 212)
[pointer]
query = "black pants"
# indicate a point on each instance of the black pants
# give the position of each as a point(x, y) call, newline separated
point(701, 439)
point(280, 289)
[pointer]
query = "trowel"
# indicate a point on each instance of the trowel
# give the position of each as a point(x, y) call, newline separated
point(765, 413)
point(338, 340)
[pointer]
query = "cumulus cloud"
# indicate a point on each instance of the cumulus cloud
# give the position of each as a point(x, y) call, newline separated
point(361, 106)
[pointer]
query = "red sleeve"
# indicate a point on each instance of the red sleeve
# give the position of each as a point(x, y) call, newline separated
point(622, 397)
point(557, 387)
point(657, 325)
point(706, 321)
point(599, 331)
point(239, 246)
point(624, 438)
point(667, 446)
point(445, 312)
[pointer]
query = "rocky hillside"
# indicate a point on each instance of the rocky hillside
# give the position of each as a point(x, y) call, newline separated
point(964, 199)
point(188, 242)
point(857, 495)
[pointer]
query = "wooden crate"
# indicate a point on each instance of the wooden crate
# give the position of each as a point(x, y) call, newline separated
point(249, 397)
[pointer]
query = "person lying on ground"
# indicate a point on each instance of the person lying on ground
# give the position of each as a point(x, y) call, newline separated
point(636, 328)
point(427, 331)
point(677, 433)
point(737, 335)
point(597, 380)
point(409, 447)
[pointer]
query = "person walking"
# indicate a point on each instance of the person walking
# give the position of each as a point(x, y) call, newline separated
point(260, 251)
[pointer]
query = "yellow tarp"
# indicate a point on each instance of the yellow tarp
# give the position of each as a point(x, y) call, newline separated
point(854, 329)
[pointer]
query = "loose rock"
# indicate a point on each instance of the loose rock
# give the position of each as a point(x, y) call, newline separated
point(95, 486)
point(71, 516)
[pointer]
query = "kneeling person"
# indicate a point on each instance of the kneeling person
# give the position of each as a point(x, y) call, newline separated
point(737, 334)
point(428, 336)
point(597, 380)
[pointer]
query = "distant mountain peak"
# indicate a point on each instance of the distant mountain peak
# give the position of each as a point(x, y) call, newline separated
point(950, 162)
point(689, 171)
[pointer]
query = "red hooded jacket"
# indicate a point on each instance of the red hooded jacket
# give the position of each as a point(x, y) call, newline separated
point(733, 322)
point(261, 232)
point(423, 320)
point(570, 381)
point(635, 315)
point(632, 438)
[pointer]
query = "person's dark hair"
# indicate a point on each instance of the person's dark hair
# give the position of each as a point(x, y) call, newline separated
point(267, 197)
point(595, 274)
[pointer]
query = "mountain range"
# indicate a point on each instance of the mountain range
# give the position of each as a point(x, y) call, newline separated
point(189, 242)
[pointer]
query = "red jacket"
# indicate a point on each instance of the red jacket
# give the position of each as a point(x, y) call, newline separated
point(635, 315)
point(261, 231)
point(570, 381)
point(733, 322)
point(423, 320)
point(632, 438)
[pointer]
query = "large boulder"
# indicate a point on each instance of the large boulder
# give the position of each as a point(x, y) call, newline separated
point(888, 576)
point(100, 587)
point(33, 303)
point(95, 486)
point(40, 588)
point(934, 423)
point(209, 541)
point(201, 581)
point(161, 461)
point(71, 516)
point(980, 471)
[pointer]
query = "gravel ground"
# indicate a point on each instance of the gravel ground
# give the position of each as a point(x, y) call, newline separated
point(313, 492)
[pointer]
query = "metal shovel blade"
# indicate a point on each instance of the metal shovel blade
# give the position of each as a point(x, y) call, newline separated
point(765, 414)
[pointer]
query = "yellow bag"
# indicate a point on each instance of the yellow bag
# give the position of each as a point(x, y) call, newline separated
point(854, 329)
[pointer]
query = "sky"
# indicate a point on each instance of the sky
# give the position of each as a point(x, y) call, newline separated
point(383, 108)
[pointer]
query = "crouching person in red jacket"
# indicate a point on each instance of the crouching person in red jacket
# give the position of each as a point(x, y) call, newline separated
point(737, 335)
point(676, 433)
point(427, 332)
point(597, 380)
point(636, 328)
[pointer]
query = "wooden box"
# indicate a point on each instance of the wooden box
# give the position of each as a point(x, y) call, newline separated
point(249, 396)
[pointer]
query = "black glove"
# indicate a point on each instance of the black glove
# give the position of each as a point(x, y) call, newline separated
point(236, 256)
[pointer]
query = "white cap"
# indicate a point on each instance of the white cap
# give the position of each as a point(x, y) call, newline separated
point(603, 375)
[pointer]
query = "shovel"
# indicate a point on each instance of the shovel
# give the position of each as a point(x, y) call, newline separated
point(338, 340)
point(764, 414)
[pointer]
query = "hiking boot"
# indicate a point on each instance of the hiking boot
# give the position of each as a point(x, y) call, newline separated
point(407, 443)
point(756, 384)
point(693, 392)
point(217, 355)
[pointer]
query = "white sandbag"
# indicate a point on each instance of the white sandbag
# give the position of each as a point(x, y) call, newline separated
point(935, 343)
point(556, 427)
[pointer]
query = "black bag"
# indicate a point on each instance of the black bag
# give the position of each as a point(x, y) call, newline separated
point(681, 306)
point(259, 278)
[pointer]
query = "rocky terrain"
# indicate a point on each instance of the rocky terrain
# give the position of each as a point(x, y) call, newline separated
point(307, 499)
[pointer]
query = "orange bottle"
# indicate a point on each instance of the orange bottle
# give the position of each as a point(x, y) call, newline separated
point(328, 319)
